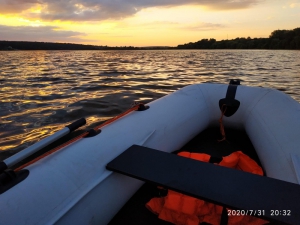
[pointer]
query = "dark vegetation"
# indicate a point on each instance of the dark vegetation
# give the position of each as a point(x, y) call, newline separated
point(28, 45)
point(279, 39)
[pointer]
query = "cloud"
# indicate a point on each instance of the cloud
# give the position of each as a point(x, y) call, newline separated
point(203, 26)
point(200, 26)
point(16, 6)
point(95, 10)
point(45, 33)
point(294, 5)
point(231, 4)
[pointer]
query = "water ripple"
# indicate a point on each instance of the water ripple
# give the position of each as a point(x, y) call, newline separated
point(43, 90)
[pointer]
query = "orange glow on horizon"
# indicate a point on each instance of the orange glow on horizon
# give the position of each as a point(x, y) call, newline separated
point(163, 26)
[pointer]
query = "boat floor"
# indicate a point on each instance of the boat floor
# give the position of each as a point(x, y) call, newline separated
point(135, 212)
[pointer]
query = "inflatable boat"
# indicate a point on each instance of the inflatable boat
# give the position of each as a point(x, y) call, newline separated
point(89, 180)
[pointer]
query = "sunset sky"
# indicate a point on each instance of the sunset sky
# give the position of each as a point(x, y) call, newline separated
point(143, 22)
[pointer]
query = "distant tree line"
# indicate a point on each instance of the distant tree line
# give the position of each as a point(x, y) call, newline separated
point(279, 39)
point(33, 45)
point(30, 45)
point(27, 45)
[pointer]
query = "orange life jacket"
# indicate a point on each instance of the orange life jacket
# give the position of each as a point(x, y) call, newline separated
point(181, 209)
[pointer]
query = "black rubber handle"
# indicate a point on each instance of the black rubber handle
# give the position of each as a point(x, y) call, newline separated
point(3, 167)
point(73, 126)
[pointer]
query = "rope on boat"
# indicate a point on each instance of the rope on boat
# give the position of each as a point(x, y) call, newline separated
point(222, 129)
point(135, 107)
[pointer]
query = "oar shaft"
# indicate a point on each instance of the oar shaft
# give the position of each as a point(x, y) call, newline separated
point(43, 143)
point(14, 159)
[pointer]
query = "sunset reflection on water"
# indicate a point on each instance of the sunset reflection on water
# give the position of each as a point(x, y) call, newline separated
point(42, 91)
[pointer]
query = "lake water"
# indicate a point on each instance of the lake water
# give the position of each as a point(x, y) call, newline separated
point(42, 91)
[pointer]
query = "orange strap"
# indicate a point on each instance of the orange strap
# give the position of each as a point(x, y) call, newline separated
point(52, 151)
point(222, 130)
point(135, 107)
